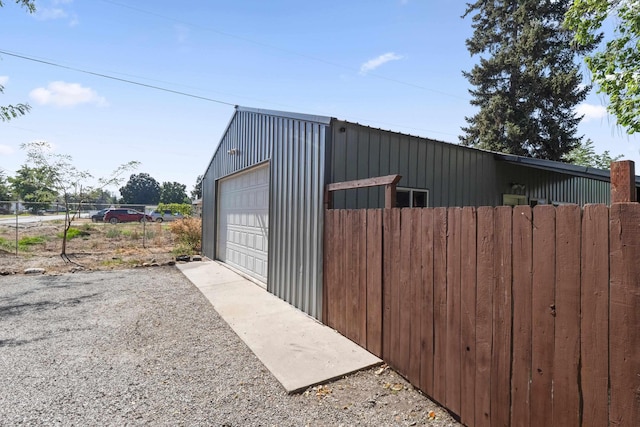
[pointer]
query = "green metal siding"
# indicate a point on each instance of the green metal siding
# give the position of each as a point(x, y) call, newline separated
point(454, 175)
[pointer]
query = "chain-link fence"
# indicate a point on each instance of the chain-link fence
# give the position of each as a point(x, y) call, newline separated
point(28, 228)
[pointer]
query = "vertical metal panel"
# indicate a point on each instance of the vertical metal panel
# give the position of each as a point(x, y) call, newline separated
point(553, 186)
point(295, 145)
point(454, 175)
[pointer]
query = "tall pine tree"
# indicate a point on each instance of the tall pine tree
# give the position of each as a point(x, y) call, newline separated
point(527, 83)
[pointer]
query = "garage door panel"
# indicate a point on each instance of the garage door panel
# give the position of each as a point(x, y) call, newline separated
point(243, 221)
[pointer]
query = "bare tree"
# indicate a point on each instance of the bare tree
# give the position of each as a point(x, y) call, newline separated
point(69, 181)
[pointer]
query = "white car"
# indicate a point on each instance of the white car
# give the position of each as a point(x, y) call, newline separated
point(164, 216)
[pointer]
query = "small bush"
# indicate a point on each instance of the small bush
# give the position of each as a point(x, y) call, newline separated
point(26, 243)
point(188, 232)
point(73, 233)
point(7, 245)
point(113, 233)
point(181, 208)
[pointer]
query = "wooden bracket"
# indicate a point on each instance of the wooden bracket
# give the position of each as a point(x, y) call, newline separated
point(389, 182)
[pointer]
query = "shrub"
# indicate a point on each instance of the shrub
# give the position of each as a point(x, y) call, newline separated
point(181, 208)
point(113, 233)
point(74, 232)
point(25, 243)
point(188, 233)
point(7, 245)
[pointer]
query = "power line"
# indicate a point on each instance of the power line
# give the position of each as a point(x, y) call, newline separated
point(103, 75)
point(288, 51)
point(106, 76)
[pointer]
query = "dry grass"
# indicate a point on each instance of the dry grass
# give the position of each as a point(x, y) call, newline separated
point(95, 246)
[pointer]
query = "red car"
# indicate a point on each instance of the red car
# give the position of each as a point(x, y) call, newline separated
point(115, 216)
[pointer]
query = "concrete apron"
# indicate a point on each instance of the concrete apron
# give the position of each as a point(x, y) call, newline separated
point(298, 350)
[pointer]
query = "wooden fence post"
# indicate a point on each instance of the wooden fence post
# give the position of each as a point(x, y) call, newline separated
point(623, 182)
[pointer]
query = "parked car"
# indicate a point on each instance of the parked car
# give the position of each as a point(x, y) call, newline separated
point(164, 216)
point(99, 216)
point(115, 216)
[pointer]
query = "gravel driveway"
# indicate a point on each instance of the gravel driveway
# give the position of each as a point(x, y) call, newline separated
point(144, 346)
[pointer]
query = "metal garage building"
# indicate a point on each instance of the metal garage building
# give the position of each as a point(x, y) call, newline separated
point(263, 190)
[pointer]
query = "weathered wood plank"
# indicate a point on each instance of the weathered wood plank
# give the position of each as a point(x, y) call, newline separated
point(351, 279)
point(468, 316)
point(522, 276)
point(415, 281)
point(453, 353)
point(543, 314)
point(484, 324)
point(342, 275)
point(440, 304)
point(594, 329)
point(501, 351)
point(363, 183)
point(360, 309)
point(426, 330)
point(624, 312)
point(374, 281)
point(566, 391)
point(387, 282)
point(404, 294)
point(623, 182)
point(327, 266)
point(394, 287)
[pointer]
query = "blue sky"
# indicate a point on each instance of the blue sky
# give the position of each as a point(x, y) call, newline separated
point(392, 64)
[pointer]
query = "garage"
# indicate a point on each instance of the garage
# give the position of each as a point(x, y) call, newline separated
point(243, 221)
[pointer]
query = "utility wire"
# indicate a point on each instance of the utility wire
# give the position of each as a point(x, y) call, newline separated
point(288, 51)
point(106, 76)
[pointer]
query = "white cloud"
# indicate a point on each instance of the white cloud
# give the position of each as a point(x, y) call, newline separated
point(182, 33)
point(591, 112)
point(374, 63)
point(56, 10)
point(4, 80)
point(62, 94)
point(50, 13)
point(5, 150)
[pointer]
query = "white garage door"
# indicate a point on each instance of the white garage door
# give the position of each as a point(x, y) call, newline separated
point(243, 221)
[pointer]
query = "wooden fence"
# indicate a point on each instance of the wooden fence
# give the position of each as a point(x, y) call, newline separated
point(505, 316)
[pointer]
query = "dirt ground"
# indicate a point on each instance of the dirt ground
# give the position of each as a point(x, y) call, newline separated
point(102, 246)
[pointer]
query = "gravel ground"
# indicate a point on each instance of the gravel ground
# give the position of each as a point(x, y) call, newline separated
point(143, 346)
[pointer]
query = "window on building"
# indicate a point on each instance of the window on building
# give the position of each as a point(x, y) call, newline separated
point(514, 199)
point(412, 198)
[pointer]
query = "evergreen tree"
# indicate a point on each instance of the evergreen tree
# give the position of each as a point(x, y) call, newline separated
point(527, 83)
point(173, 192)
point(141, 189)
point(196, 193)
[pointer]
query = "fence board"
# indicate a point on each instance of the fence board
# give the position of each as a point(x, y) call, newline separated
point(566, 393)
point(360, 308)
point(345, 273)
point(440, 303)
point(328, 260)
point(543, 312)
point(501, 350)
point(392, 287)
point(387, 275)
point(595, 316)
point(374, 282)
point(351, 271)
point(624, 312)
point(452, 360)
point(507, 316)
point(404, 293)
point(468, 315)
point(522, 276)
point(415, 281)
point(484, 329)
point(426, 330)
